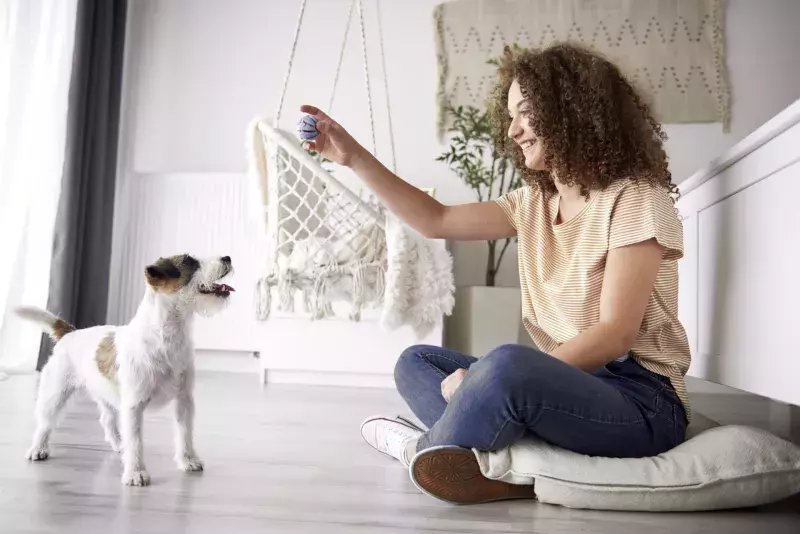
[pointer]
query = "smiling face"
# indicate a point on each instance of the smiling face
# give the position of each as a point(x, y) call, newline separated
point(188, 281)
point(520, 110)
point(586, 124)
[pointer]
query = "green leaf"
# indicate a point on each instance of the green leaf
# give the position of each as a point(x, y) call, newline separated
point(473, 155)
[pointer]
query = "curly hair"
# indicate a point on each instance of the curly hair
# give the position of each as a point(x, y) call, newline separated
point(594, 127)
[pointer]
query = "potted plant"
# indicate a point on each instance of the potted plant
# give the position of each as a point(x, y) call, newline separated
point(484, 316)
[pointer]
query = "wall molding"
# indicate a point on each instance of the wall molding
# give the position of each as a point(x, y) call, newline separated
point(774, 127)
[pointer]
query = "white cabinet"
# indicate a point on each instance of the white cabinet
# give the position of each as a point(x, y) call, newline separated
point(739, 278)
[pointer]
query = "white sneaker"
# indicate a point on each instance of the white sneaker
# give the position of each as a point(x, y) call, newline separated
point(389, 436)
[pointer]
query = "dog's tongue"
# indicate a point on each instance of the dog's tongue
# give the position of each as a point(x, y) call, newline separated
point(226, 287)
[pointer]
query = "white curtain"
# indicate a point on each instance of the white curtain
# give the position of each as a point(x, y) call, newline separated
point(36, 43)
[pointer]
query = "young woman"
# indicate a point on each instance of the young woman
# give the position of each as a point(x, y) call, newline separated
point(599, 240)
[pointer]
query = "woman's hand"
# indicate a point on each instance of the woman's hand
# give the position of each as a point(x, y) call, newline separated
point(333, 141)
point(451, 383)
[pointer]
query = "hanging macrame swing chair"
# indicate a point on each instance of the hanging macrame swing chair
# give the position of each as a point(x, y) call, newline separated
point(325, 241)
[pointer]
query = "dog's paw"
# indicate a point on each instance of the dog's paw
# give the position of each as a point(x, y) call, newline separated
point(37, 454)
point(187, 463)
point(135, 478)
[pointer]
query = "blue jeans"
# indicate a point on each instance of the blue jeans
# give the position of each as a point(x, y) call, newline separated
point(623, 410)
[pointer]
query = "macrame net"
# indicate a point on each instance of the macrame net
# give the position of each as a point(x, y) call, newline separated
point(325, 241)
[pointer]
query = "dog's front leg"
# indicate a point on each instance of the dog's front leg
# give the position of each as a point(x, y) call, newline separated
point(185, 455)
point(131, 416)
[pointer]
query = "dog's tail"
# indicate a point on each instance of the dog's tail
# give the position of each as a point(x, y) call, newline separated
point(56, 327)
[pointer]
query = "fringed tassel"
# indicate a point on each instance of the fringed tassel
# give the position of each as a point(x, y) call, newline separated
point(367, 287)
point(380, 284)
point(307, 299)
point(357, 273)
point(286, 291)
point(263, 299)
point(320, 304)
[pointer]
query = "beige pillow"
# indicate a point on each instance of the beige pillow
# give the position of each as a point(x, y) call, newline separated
point(716, 468)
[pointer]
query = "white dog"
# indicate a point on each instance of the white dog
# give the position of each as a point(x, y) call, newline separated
point(126, 369)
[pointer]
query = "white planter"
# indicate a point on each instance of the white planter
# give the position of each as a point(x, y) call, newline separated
point(485, 318)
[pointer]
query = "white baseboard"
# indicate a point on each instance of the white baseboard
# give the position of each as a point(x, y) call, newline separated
point(227, 361)
point(327, 378)
point(248, 363)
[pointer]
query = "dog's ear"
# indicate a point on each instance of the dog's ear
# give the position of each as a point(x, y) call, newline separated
point(162, 271)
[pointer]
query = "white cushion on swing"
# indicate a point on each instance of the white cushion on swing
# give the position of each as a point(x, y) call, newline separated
point(318, 252)
point(717, 467)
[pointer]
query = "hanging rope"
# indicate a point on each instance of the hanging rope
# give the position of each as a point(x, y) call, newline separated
point(386, 85)
point(341, 55)
point(291, 60)
point(290, 63)
point(366, 76)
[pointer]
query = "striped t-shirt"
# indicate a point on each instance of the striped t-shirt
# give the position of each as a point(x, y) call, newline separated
point(561, 269)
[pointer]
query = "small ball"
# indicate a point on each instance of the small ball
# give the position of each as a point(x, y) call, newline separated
point(307, 128)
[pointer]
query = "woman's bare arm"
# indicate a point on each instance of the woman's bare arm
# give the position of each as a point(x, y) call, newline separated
point(464, 222)
point(476, 221)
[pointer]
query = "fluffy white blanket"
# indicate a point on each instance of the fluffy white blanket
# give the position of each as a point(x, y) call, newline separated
point(419, 280)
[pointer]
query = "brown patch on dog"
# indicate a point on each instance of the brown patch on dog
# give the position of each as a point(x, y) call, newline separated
point(55, 326)
point(61, 328)
point(164, 285)
point(106, 357)
point(169, 275)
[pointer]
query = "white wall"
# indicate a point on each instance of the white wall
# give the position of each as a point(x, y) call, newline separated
point(200, 69)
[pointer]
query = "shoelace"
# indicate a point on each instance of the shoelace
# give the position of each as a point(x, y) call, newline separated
point(395, 439)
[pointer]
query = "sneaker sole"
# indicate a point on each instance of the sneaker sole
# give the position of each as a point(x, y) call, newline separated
point(452, 474)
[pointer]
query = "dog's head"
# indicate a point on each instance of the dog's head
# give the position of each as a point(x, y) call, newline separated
point(192, 282)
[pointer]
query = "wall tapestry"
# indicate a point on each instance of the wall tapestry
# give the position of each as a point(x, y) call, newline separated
point(673, 50)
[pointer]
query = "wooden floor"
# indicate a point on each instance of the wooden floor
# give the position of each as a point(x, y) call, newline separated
point(288, 459)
